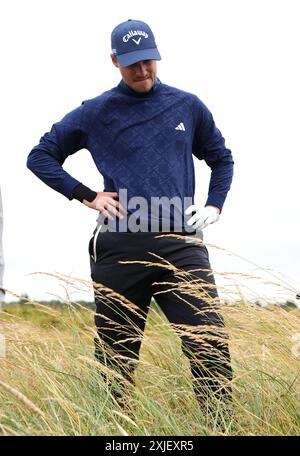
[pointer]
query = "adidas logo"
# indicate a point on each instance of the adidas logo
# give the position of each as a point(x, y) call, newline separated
point(180, 127)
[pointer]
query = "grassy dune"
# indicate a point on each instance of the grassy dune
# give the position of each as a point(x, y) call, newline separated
point(50, 383)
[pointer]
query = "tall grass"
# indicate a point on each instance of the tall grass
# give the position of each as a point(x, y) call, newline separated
point(50, 383)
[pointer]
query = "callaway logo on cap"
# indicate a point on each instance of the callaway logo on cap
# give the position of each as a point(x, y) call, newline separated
point(133, 41)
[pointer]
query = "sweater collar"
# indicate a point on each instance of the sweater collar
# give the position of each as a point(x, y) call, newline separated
point(123, 87)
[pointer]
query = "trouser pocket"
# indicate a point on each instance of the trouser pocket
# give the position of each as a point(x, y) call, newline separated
point(194, 238)
point(94, 244)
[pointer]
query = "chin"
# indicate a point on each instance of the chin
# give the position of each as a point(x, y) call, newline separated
point(144, 87)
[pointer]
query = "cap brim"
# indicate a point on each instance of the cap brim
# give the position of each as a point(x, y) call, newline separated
point(143, 54)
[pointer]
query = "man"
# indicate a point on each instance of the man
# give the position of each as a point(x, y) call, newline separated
point(142, 135)
point(2, 292)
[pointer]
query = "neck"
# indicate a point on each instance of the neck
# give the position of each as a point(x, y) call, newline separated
point(128, 89)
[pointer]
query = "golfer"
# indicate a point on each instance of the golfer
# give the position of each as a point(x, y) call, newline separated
point(142, 135)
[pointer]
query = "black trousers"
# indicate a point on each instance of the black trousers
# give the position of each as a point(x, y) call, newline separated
point(186, 294)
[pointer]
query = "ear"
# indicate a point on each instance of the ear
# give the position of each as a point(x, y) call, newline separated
point(114, 60)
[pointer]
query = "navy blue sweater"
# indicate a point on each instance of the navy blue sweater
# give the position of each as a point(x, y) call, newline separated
point(140, 142)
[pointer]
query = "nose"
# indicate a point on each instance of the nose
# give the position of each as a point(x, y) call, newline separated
point(141, 69)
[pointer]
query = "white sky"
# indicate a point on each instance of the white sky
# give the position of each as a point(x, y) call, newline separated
point(240, 57)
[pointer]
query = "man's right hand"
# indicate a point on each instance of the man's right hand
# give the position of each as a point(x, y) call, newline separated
point(107, 203)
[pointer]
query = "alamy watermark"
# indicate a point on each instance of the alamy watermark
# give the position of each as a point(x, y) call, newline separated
point(159, 214)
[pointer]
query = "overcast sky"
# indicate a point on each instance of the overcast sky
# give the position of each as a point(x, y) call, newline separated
point(240, 57)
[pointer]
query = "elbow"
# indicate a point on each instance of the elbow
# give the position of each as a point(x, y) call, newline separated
point(29, 162)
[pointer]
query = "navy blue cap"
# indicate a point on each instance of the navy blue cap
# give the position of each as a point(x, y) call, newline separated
point(132, 41)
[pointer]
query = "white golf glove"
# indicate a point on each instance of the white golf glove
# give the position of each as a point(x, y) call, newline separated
point(204, 216)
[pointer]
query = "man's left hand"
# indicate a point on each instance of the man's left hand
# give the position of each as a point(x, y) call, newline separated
point(203, 216)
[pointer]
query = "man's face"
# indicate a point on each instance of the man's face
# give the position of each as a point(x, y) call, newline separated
point(140, 76)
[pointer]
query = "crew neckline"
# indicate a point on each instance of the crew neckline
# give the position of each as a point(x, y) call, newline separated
point(123, 87)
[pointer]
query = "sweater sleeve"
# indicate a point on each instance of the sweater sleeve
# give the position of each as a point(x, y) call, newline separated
point(209, 145)
point(46, 159)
